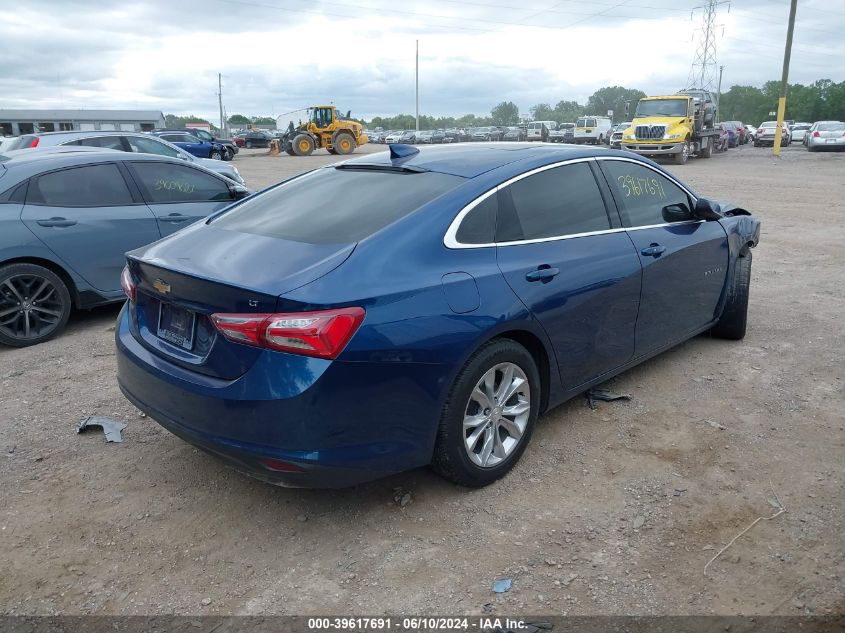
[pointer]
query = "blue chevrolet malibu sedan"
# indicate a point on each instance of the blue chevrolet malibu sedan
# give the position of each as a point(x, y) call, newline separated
point(419, 307)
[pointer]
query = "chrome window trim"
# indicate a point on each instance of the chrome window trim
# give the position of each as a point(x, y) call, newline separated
point(450, 238)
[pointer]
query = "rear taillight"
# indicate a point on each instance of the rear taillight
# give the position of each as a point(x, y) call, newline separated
point(35, 142)
point(127, 283)
point(323, 334)
point(816, 134)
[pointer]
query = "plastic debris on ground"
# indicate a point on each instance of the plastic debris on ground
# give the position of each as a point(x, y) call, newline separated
point(502, 585)
point(113, 429)
point(603, 394)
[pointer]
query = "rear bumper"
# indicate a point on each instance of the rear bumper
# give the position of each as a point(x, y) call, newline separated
point(823, 144)
point(340, 423)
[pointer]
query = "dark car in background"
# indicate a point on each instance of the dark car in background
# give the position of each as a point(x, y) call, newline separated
point(253, 139)
point(138, 142)
point(485, 134)
point(733, 133)
point(229, 147)
point(742, 134)
point(193, 144)
point(69, 214)
point(514, 133)
point(515, 280)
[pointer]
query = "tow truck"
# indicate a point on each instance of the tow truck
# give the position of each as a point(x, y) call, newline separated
point(678, 125)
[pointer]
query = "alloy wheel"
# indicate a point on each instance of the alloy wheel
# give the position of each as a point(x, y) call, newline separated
point(30, 307)
point(496, 415)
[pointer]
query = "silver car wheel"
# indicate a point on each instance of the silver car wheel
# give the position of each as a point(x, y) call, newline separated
point(496, 415)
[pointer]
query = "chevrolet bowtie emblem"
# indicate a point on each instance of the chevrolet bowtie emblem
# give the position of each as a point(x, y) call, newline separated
point(162, 286)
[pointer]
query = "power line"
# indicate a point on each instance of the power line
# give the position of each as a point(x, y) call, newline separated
point(586, 16)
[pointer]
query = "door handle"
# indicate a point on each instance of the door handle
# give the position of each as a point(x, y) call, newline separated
point(174, 217)
point(653, 250)
point(542, 274)
point(56, 222)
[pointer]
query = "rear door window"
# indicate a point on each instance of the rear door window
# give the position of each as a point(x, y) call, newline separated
point(317, 208)
point(642, 192)
point(552, 203)
point(164, 182)
point(89, 186)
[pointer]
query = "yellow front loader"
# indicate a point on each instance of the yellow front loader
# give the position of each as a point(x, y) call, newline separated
point(324, 128)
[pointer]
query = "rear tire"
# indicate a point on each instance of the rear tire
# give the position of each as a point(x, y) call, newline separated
point(707, 151)
point(460, 448)
point(344, 143)
point(34, 305)
point(734, 319)
point(249, 144)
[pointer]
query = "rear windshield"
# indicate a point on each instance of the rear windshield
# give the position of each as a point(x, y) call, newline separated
point(336, 206)
point(830, 127)
point(586, 123)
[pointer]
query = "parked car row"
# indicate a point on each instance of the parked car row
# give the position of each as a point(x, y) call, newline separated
point(69, 213)
point(191, 150)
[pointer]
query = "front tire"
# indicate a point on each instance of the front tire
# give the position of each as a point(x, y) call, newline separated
point(681, 157)
point(734, 319)
point(216, 155)
point(249, 144)
point(34, 305)
point(303, 145)
point(489, 415)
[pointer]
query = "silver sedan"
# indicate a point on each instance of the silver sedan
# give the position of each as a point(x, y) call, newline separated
point(826, 135)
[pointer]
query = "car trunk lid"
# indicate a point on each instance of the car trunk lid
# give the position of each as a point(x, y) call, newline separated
point(181, 282)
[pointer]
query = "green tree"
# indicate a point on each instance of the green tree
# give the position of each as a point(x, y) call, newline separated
point(613, 98)
point(263, 120)
point(238, 119)
point(542, 112)
point(567, 111)
point(506, 113)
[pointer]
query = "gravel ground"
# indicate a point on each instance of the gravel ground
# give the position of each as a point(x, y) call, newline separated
point(610, 511)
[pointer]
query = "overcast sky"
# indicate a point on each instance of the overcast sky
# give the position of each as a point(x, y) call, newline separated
point(280, 55)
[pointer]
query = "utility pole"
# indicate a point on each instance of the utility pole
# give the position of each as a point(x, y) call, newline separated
point(220, 99)
point(719, 94)
point(785, 77)
point(418, 86)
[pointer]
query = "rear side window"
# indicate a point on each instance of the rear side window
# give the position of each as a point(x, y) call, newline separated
point(151, 145)
point(89, 186)
point(479, 225)
point(336, 206)
point(552, 203)
point(642, 192)
point(106, 142)
point(166, 182)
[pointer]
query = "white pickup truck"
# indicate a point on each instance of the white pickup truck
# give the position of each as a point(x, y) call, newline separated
point(564, 133)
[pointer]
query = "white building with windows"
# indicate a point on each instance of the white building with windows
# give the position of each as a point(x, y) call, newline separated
point(17, 122)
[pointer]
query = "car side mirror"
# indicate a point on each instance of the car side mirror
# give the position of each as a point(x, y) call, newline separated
point(239, 192)
point(678, 212)
point(705, 210)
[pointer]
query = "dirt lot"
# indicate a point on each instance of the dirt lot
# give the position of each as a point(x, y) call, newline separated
point(611, 511)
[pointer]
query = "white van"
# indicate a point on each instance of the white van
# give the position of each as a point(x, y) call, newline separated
point(592, 129)
point(536, 132)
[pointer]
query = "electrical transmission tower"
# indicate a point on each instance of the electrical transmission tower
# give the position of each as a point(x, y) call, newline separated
point(702, 73)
